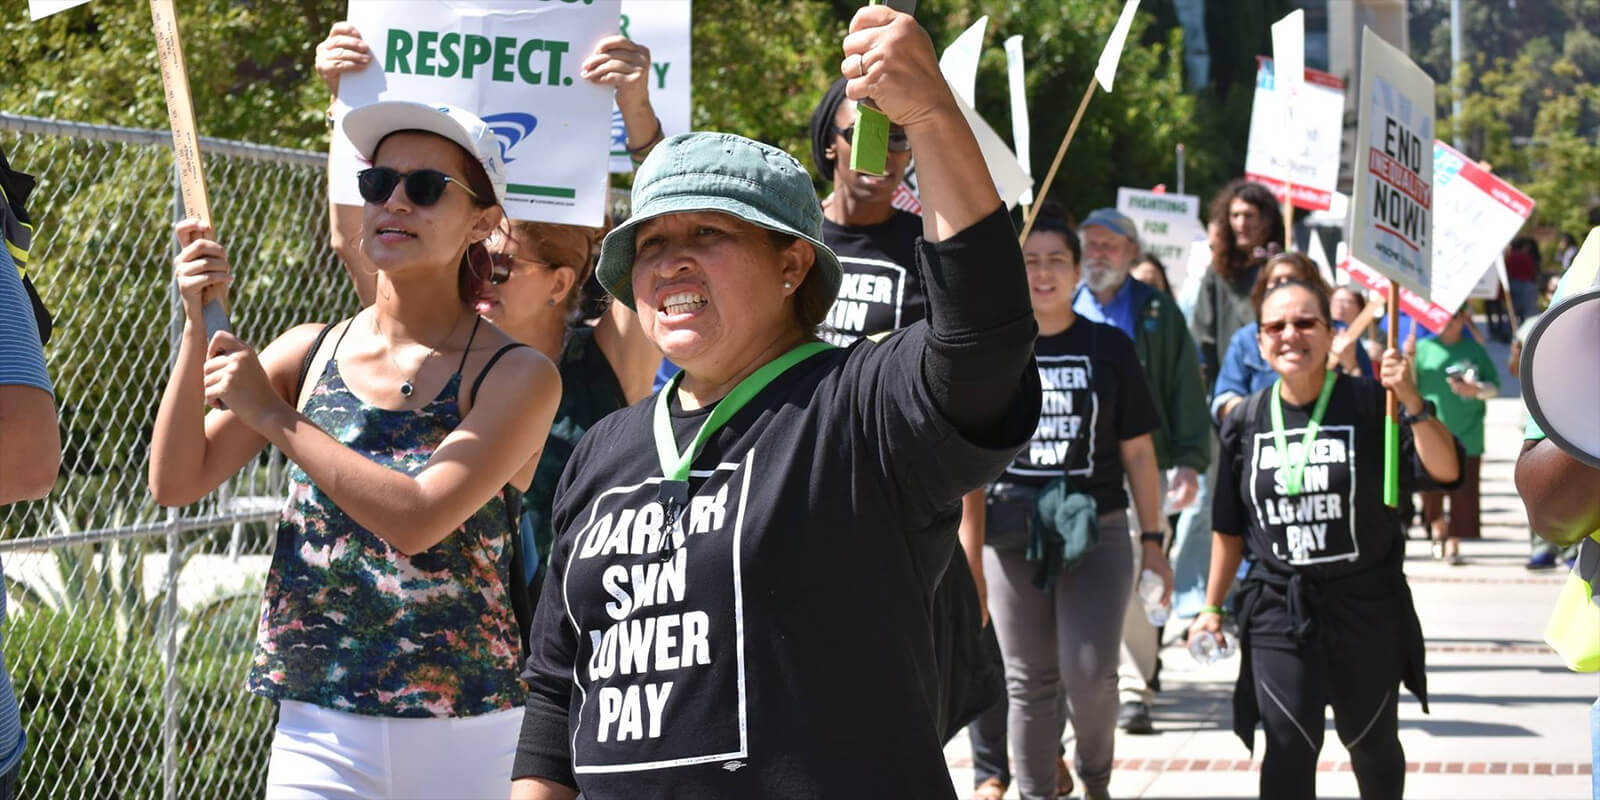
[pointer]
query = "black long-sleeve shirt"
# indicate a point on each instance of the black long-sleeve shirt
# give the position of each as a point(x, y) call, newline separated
point(782, 647)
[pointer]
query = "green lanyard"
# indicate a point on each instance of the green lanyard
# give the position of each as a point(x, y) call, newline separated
point(1296, 471)
point(675, 465)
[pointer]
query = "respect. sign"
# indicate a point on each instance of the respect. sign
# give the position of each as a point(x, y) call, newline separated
point(662, 26)
point(1391, 229)
point(515, 65)
point(1168, 225)
point(1305, 154)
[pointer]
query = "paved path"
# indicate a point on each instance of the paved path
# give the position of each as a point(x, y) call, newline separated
point(1508, 720)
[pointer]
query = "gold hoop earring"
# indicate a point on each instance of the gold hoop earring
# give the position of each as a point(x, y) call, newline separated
point(360, 246)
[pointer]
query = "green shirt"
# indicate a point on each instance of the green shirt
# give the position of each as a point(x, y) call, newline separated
point(1462, 415)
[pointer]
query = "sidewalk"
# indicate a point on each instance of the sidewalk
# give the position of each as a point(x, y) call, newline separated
point(1508, 720)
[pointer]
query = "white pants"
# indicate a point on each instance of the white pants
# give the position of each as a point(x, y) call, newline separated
point(322, 754)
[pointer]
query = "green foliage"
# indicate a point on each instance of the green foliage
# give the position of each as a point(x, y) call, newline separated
point(1531, 102)
point(93, 710)
point(250, 67)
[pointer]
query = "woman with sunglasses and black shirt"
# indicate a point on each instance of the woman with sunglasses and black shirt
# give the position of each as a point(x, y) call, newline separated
point(386, 635)
point(1325, 615)
point(606, 364)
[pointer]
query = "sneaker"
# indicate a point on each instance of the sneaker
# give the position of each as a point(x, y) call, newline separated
point(1542, 560)
point(1134, 717)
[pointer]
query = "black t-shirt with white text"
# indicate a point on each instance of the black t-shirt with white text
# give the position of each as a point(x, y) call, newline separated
point(1338, 524)
point(882, 289)
point(780, 648)
point(1093, 386)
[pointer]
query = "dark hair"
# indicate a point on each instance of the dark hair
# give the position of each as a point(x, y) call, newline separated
point(475, 269)
point(570, 246)
point(1266, 205)
point(1052, 218)
point(1306, 273)
point(811, 300)
point(1527, 244)
point(1318, 290)
point(1161, 269)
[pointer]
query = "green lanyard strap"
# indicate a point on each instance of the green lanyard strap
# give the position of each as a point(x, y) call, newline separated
point(675, 465)
point(1296, 470)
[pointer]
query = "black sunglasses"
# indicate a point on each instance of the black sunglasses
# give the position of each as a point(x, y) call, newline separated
point(424, 186)
point(899, 142)
point(1277, 326)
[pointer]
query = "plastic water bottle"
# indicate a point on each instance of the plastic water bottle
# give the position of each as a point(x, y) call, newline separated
point(1151, 587)
point(1206, 648)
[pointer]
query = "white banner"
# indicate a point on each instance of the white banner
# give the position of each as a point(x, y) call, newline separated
point(1302, 147)
point(514, 66)
point(662, 26)
point(1169, 225)
point(1391, 224)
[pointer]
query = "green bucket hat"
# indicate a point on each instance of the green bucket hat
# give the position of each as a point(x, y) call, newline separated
point(754, 182)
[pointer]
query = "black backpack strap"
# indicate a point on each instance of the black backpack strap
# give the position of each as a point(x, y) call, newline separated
point(305, 363)
point(488, 366)
point(523, 590)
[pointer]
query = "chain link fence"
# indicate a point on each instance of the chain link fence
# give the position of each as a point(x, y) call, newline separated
point(130, 626)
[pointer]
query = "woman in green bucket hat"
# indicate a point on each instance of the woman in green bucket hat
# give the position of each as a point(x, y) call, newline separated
point(738, 601)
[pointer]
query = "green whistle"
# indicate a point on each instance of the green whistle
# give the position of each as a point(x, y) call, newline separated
point(869, 144)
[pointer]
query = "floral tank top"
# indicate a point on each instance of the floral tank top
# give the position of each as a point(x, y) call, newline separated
point(350, 623)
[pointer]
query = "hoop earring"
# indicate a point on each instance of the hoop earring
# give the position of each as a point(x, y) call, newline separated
point(360, 245)
point(481, 276)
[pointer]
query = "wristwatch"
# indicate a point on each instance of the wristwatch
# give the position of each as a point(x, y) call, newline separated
point(1152, 537)
point(1421, 416)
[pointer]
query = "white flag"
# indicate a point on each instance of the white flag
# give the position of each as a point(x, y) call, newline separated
point(1019, 110)
point(39, 9)
point(959, 63)
point(1107, 70)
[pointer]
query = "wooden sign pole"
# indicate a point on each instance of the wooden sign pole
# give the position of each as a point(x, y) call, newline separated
point(1044, 188)
point(185, 140)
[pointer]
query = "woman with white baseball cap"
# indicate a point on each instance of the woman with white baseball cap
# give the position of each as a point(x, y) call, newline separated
point(387, 636)
point(738, 603)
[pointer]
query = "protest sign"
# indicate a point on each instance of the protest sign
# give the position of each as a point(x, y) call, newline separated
point(1391, 229)
point(1169, 224)
point(514, 66)
point(662, 26)
point(1488, 286)
point(39, 9)
point(1476, 214)
point(1303, 148)
point(1432, 316)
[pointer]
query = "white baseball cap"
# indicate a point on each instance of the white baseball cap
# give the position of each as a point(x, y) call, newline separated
point(366, 126)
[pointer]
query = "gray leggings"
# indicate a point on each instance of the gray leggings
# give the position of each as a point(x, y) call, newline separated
point(1073, 634)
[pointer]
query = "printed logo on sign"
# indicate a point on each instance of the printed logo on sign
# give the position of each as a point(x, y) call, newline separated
point(510, 128)
point(1317, 525)
point(1070, 409)
point(660, 659)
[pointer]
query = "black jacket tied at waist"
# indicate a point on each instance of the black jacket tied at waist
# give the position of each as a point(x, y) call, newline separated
point(1324, 616)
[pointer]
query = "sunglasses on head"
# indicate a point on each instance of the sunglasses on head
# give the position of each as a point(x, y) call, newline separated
point(424, 187)
point(1303, 325)
point(502, 266)
point(899, 142)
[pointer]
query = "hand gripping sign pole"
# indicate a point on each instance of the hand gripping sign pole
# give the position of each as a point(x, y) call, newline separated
point(1104, 73)
point(869, 144)
point(185, 142)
